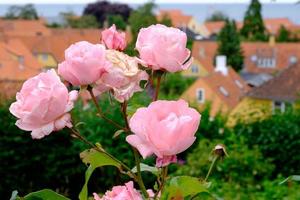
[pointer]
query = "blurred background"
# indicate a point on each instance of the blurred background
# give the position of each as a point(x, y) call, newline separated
point(244, 79)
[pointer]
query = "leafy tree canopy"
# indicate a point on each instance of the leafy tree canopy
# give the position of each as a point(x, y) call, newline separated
point(22, 12)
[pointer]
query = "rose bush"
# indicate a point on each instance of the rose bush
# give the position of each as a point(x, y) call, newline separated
point(164, 128)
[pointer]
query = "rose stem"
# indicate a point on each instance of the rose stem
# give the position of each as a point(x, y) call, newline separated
point(100, 111)
point(136, 155)
point(164, 174)
point(211, 167)
point(155, 97)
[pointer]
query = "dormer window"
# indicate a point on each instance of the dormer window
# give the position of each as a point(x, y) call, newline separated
point(293, 60)
point(200, 95)
point(266, 62)
point(223, 91)
point(239, 84)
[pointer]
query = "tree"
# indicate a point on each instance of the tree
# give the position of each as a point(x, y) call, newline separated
point(283, 35)
point(142, 17)
point(22, 12)
point(217, 16)
point(166, 20)
point(117, 20)
point(229, 45)
point(102, 9)
point(253, 28)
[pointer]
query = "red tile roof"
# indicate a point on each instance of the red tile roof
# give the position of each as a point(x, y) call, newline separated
point(23, 27)
point(177, 17)
point(254, 53)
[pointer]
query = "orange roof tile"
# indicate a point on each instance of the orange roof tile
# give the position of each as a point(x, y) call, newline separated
point(23, 27)
point(214, 27)
point(283, 53)
point(273, 24)
point(177, 17)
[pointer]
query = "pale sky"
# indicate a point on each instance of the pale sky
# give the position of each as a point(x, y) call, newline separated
point(139, 1)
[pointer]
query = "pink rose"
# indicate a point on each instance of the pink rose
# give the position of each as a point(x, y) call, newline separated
point(164, 128)
point(126, 192)
point(113, 39)
point(163, 48)
point(43, 104)
point(123, 77)
point(84, 63)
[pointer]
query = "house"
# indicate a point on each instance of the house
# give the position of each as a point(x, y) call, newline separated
point(16, 65)
point(262, 60)
point(203, 53)
point(223, 89)
point(276, 95)
point(49, 50)
point(186, 23)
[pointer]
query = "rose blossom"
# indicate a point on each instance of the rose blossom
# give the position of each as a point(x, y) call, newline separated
point(163, 48)
point(123, 78)
point(126, 192)
point(43, 104)
point(84, 63)
point(113, 39)
point(164, 128)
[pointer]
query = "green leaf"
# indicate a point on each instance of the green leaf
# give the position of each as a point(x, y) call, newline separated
point(147, 168)
point(94, 159)
point(45, 194)
point(292, 178)
point(183, 186)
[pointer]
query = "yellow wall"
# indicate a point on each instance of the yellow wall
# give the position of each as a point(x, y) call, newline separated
point(201, 70)
point(249, 110)
point(210, 97)
point(47, 61)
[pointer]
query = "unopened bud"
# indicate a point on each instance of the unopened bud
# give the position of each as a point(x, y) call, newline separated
point(220, 151)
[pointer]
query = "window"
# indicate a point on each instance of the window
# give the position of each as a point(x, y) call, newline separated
point(223, 91)
point(239, 84)
point(194, 69)
point(266, 62)
point(21, 59)
point(278, 106)
point(293, 60)
point(45, 56)
point(200, 95)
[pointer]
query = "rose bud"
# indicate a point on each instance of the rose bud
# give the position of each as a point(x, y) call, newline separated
point(113, 39)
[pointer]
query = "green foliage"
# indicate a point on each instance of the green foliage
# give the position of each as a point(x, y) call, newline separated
point(173, 85)
point(253, 28)
point(166, 21)
point(278, 138)
point(117, 20)
point(29, 165)
point(94, 159)
point(22, 12)
point(230, 45)
point(142, 17)
point(284, 35)
point(45, 194)
point(217, 16)
point(181, 187)
point(85, 21)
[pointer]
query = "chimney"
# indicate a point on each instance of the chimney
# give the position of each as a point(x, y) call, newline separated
point(221, 65)
point(272, 41)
